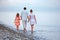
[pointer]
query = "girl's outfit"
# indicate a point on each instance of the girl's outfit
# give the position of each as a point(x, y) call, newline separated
point(17, 21)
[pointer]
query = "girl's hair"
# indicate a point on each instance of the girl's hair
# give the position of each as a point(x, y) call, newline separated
point(31, 10)
point(17, 15)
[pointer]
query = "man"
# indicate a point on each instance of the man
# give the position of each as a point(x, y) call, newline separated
point(24, 17)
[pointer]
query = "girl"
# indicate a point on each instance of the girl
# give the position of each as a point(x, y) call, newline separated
point(32, 20)
point(17, 21)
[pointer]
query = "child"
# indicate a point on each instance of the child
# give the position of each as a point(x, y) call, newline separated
point(32, 20)
point(17, 21)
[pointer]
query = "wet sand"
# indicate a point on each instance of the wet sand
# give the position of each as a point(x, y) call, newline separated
point(13, 34)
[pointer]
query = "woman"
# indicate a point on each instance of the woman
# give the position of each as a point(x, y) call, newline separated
point(32, 20)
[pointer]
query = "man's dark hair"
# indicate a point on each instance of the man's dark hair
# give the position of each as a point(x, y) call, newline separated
point(24, 8)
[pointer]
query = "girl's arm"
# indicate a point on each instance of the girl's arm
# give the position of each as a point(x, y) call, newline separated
point(15, 20)
point(20, 18)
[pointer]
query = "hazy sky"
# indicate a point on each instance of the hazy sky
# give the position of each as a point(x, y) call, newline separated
point(37, 5)
point(46, 18)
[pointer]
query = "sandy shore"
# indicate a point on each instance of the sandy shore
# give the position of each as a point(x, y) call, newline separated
point(7, 34)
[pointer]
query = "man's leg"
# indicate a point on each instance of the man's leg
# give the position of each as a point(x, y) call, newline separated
point(25, 24)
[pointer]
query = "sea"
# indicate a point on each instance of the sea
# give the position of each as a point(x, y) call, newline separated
point(47, 27)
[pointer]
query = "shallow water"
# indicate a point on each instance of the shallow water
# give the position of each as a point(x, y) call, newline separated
point(47, 27)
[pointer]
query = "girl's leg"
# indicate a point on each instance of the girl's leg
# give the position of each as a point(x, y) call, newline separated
point(32, 27)
point(17, 27)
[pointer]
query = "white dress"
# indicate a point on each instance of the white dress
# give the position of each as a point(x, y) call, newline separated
point(32, 20)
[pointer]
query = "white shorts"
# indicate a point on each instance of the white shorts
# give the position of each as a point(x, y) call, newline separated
point(32, 22)
point(24, 23)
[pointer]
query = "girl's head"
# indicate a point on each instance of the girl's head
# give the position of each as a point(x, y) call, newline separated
point(31, 11)
point(17, 14)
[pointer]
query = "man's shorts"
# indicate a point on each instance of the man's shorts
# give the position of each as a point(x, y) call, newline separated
point(24, 22)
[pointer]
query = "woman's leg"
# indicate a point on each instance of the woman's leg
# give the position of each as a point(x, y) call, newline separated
point(32, 27)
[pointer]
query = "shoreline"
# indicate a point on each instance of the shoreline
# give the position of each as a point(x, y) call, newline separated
point(23, 35)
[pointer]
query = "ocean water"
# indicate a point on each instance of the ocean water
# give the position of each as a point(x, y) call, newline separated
point(47, 27)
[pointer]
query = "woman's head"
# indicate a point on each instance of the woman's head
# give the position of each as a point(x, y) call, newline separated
point(17, 14)
point(31, 11)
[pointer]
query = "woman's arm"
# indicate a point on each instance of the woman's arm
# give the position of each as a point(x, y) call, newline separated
point(35, 19)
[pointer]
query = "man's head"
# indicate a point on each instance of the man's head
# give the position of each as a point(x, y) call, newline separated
point(24, 8)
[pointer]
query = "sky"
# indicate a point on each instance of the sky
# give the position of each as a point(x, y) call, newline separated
point(37, 5)
point(48, 10)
